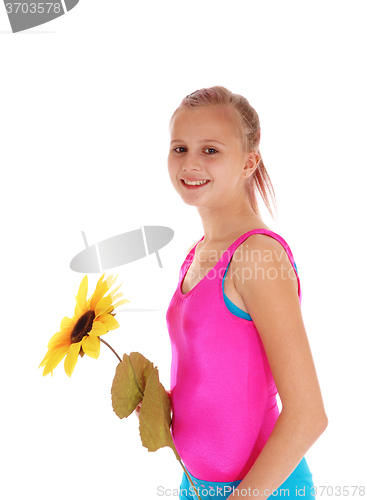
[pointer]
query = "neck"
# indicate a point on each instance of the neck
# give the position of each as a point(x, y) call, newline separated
point(223, 223)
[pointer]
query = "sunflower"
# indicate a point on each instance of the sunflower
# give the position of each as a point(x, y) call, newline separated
point(80, 334)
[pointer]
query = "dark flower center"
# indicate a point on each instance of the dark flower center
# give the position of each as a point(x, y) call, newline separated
point(82, 327)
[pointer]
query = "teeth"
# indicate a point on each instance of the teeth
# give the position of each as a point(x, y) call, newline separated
point(195, 183)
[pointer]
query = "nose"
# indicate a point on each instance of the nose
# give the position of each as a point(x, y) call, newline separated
point(190, 162)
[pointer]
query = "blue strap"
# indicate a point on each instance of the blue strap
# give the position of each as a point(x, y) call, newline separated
point(231, 306)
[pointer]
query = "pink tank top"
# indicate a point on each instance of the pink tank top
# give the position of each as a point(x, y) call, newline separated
point(223, 392)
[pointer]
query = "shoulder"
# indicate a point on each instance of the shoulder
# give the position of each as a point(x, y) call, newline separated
point(264, 248)
point(263, 272)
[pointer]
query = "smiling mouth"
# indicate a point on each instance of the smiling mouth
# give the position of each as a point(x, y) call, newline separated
point(195, 183)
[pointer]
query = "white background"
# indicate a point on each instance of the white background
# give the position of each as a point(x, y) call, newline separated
point(85, 105)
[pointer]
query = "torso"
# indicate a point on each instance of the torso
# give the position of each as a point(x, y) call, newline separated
point(211, 368)
point(204, 261)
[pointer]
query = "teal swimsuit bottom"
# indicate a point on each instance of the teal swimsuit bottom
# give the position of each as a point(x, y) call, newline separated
point(298, 485)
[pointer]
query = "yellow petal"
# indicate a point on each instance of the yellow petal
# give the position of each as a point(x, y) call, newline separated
point(67, 325)
point(101, 289)
point(82, 305)
point(103, 305)
point(72, 358)
point(119, 303)
point(98, 328)
point(112, 293)
point(117, 296)
point(53, 358)
point(46, 358)
point(59, 339)
point(77, 310)
point(91, 345)
point(110, 280)
point(49, 354)
point(109, 321)
point(81, 298)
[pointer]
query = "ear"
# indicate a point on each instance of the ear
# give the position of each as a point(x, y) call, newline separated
point(250, 165)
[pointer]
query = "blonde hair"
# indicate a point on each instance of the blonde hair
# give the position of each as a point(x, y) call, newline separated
point(248, 127)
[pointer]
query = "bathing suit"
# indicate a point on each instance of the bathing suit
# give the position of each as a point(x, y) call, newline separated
point(222, 389)
point(298, 485)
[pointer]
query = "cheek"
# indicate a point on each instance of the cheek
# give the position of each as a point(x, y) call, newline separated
point(172, 166)
point(169, 161)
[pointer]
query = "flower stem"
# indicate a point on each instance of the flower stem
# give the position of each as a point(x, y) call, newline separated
point(189, 478)
point(113, 350)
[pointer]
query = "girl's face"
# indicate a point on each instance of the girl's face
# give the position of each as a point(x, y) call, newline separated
point(205, 146)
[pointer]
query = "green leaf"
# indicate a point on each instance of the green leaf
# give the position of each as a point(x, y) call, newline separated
point(155, 416)
point(129, 383)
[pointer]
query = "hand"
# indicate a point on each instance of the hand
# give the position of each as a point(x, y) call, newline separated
point(170, 400)
point(137, 410)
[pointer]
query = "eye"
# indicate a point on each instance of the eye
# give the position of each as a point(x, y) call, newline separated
point(180, 148)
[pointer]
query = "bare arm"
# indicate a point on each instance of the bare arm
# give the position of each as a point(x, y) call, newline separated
point(273, 304)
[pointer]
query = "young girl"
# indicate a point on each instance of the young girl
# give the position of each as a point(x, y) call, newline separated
point(235, 321)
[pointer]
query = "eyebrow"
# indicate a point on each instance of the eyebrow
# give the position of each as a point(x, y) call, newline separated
point(205, 140)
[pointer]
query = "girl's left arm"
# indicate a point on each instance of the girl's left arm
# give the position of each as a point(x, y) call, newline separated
point(270, 296)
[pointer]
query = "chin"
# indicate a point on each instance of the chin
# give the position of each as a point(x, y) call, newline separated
point(192, 204)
